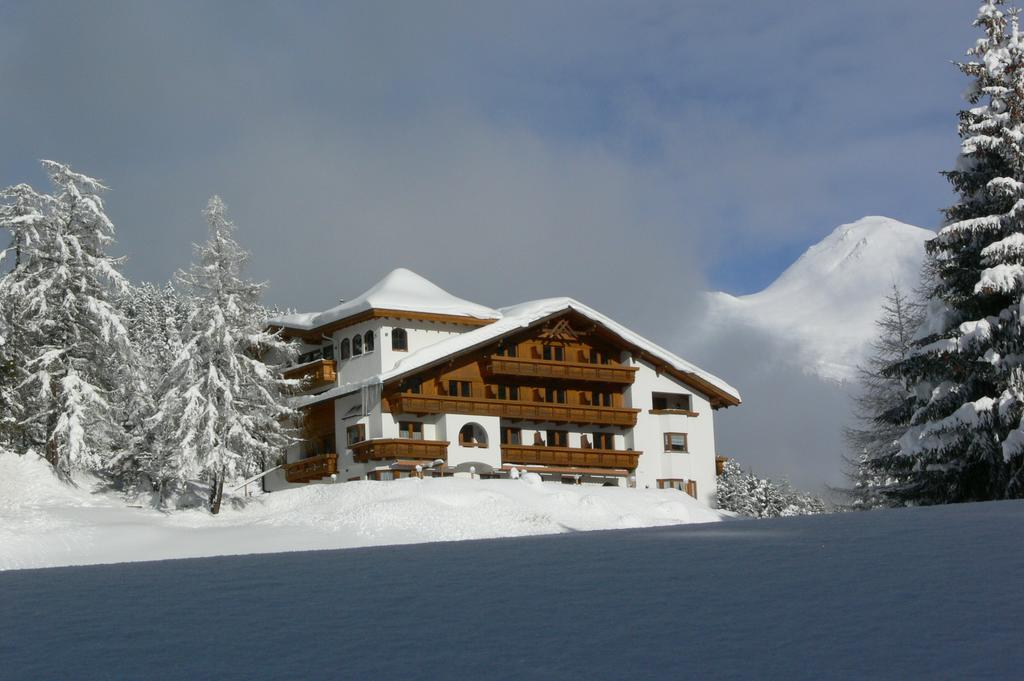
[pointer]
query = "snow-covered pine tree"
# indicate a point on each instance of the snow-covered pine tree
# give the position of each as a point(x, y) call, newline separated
point(753, 497)
point(883, 405)
point(70, 337)
point(222, 410)
point(965, 440)
point(733, 489)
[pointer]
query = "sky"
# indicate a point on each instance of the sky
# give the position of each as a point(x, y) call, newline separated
point(630, 155)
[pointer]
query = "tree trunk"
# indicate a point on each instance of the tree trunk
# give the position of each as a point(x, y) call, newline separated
point(216, 492)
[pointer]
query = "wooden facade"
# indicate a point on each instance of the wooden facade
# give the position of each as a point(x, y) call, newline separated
point(559, 371)
point(312, 468)
point(406, 403)
point(399, 448)
point(539, 455)
point(317, 374)
point(553, 374)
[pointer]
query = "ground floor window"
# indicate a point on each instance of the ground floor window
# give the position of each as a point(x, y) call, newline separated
point(473, 435)
point(688, 486)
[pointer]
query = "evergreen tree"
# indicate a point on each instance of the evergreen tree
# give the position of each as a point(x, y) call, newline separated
point(222, 411)
point(66, 342)
point(750, 496)
point(883, 406)
point(964, 440)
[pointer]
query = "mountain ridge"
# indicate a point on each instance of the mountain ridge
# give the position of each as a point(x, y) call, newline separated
point(824, 306)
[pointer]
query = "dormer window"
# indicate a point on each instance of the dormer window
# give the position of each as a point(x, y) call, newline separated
point(399, 340)
point(345, 349)
point(368, 341)
point(357, 345)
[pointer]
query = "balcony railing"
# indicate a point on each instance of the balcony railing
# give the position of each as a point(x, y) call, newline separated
point(399, 448)
point(318, 373)
point(411, 403)
point(539, 455)
point(567, 371)
point(313, 468)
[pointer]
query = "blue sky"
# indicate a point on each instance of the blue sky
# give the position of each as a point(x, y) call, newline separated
point(507, 151)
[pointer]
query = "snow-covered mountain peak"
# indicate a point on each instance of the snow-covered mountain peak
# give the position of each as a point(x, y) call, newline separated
point(874, 242)
point(825, 304)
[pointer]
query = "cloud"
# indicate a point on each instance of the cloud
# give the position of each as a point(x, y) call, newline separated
point(790, 424)
point(623, 154)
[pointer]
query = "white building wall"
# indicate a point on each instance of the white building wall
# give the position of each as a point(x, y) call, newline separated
point(367, 364)
point(655, 463)
point(449, 426)
point(420, 334)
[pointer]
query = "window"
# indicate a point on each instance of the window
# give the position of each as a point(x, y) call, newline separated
point(558, 438)
point(345, 351)
point(410, 430)
point(671, 402)
point(354, 434)
point(604, 441)
point(688, 486)
point(676, 442)
point(508, 392)
point(554, 395)
point(357, 345)
point(511, 436)
point(399, 340)
point(412, 385)
point(473, 435)
point(598, 357)
point(307, 357)
point(328, 444)
point(459, 389)
point(554, 352)
point(368, 341)
point(601, 399)
point(510, 350)
point(328, 352)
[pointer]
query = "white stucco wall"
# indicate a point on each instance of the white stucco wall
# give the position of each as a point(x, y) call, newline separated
point(648, 436)
point(449, 426)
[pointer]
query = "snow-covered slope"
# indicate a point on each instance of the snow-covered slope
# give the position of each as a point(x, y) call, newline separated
point(824, 306)
point(46, 523)
point(921, 593)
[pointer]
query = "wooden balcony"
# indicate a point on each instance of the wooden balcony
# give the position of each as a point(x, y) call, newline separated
point(539, 455)
point(317, 373)
point(313, 468)
point(565, 371)
point(399, 448)
point(410, 403)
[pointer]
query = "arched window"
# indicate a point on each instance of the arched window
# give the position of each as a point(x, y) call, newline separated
point(344, 352)
point(399, 340)
point(357, 345)
point(368, 341)
point(473, 435)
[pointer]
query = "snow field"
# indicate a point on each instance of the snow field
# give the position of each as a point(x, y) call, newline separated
point(45, 523)
point(925, 593)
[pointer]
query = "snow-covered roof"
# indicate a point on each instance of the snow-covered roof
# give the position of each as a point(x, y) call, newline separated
point(518, 317)
point(401, 290)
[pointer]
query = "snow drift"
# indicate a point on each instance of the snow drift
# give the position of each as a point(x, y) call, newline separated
point(925, 593)
point(46, 523)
